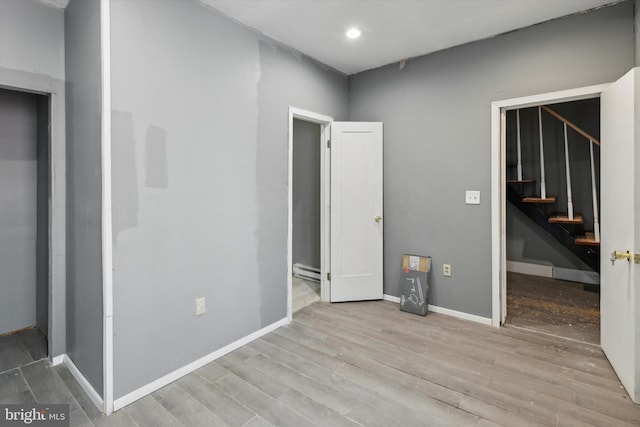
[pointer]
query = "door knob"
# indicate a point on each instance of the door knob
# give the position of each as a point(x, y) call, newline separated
point(616, 255)
point(378, 218)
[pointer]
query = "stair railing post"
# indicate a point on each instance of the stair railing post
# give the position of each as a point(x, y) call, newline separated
point(594, 196)
point(543, 186)
point(568, 171)
point(519, 146)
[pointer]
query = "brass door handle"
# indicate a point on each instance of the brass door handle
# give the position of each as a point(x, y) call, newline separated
point(616, 255)
point(378, 218)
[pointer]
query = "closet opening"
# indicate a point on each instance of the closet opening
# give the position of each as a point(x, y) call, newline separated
point(25, 171)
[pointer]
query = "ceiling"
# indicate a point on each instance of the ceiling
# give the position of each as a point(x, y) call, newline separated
point(392, 30)
point(58, 4)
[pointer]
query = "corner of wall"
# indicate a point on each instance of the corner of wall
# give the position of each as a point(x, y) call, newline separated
point(636, 31)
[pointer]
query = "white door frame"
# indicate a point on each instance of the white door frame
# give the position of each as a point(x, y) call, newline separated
point(325, 174)
point(498, 182)
point(106, 215)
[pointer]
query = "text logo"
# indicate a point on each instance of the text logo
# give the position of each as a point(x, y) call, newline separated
point(34, 415)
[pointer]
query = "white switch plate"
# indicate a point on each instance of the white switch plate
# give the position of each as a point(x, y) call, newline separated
point(446, 270)
point(472, 197)
point(201, 306)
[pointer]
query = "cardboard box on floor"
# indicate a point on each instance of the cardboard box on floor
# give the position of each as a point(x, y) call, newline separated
point(415, 280)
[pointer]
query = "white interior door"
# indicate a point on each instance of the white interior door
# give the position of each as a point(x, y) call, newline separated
point(619, 301)
point(356, 211)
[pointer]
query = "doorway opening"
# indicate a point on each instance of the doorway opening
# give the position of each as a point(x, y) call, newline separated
point(24, 225)
point(501, 126)
point(308, 250)
point(306, 213)
point(552, 189)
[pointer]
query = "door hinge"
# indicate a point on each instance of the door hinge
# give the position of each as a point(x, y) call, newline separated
point(328, 143)
point(329, 276)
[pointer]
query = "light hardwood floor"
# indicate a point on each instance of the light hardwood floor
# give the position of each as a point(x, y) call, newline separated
point(369, 364)
point(305, 293)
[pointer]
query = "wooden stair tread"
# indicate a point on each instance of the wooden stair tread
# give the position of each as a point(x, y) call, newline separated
point(522, 181)
point(589, 239)
point(550, 199)
point(564, 219)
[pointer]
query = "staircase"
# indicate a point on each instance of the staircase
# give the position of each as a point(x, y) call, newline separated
point(555, 214)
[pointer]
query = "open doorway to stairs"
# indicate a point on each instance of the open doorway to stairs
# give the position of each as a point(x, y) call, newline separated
point(24, 227)
point(308, 245)
point(552, 166)
point(518, 254)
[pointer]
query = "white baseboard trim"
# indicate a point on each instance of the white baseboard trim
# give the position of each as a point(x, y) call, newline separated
point(84, 383)
point(446, 311)
point(391, 298)
point(531, 269)
point(57, 360)
point(573, 275)
point(306, 272)
point(460, 315)
point(187, 369)
point(570, 274)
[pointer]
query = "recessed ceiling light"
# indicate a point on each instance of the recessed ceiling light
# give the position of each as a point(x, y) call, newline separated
point(354, 33)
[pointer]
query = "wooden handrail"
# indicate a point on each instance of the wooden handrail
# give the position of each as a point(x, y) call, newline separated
point(571, 125)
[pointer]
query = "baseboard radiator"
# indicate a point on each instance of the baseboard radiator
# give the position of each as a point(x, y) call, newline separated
point(305, 272)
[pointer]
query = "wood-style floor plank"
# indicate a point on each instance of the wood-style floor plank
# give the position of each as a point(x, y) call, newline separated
point(268, 384)
point(212, 372)
point(369, 364)
point(324, 394)
point(48, 388)
point(81, 397)
point(148, 412)
point(224, 406)
point(261, 403)
point(35, 343)
point(117, 419)
point(185, 408)
point(258, 421)
point(314, 410)
point(13, 353)
point(14, 389)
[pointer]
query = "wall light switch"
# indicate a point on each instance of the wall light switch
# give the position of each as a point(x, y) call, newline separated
point(472, 197)
point(201, 306)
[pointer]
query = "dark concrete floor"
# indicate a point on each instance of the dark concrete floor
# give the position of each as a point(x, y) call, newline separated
point(553, 306)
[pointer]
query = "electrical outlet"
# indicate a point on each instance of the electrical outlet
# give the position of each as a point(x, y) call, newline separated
point(201, 306)
point(472, 197)
point(446, 270)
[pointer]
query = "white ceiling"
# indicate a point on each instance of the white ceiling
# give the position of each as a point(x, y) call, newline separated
point(392, 29)
point(58, 4)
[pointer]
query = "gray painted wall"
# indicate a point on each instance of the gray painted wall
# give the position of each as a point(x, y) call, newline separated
point(31, 38)
point(526, 242)
point(306, 193)
point(32, 59)
point(84, 189)
point(18, 206)
point(436, 113)
point(42, 239)
point(637, 29)
point(199, 180)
